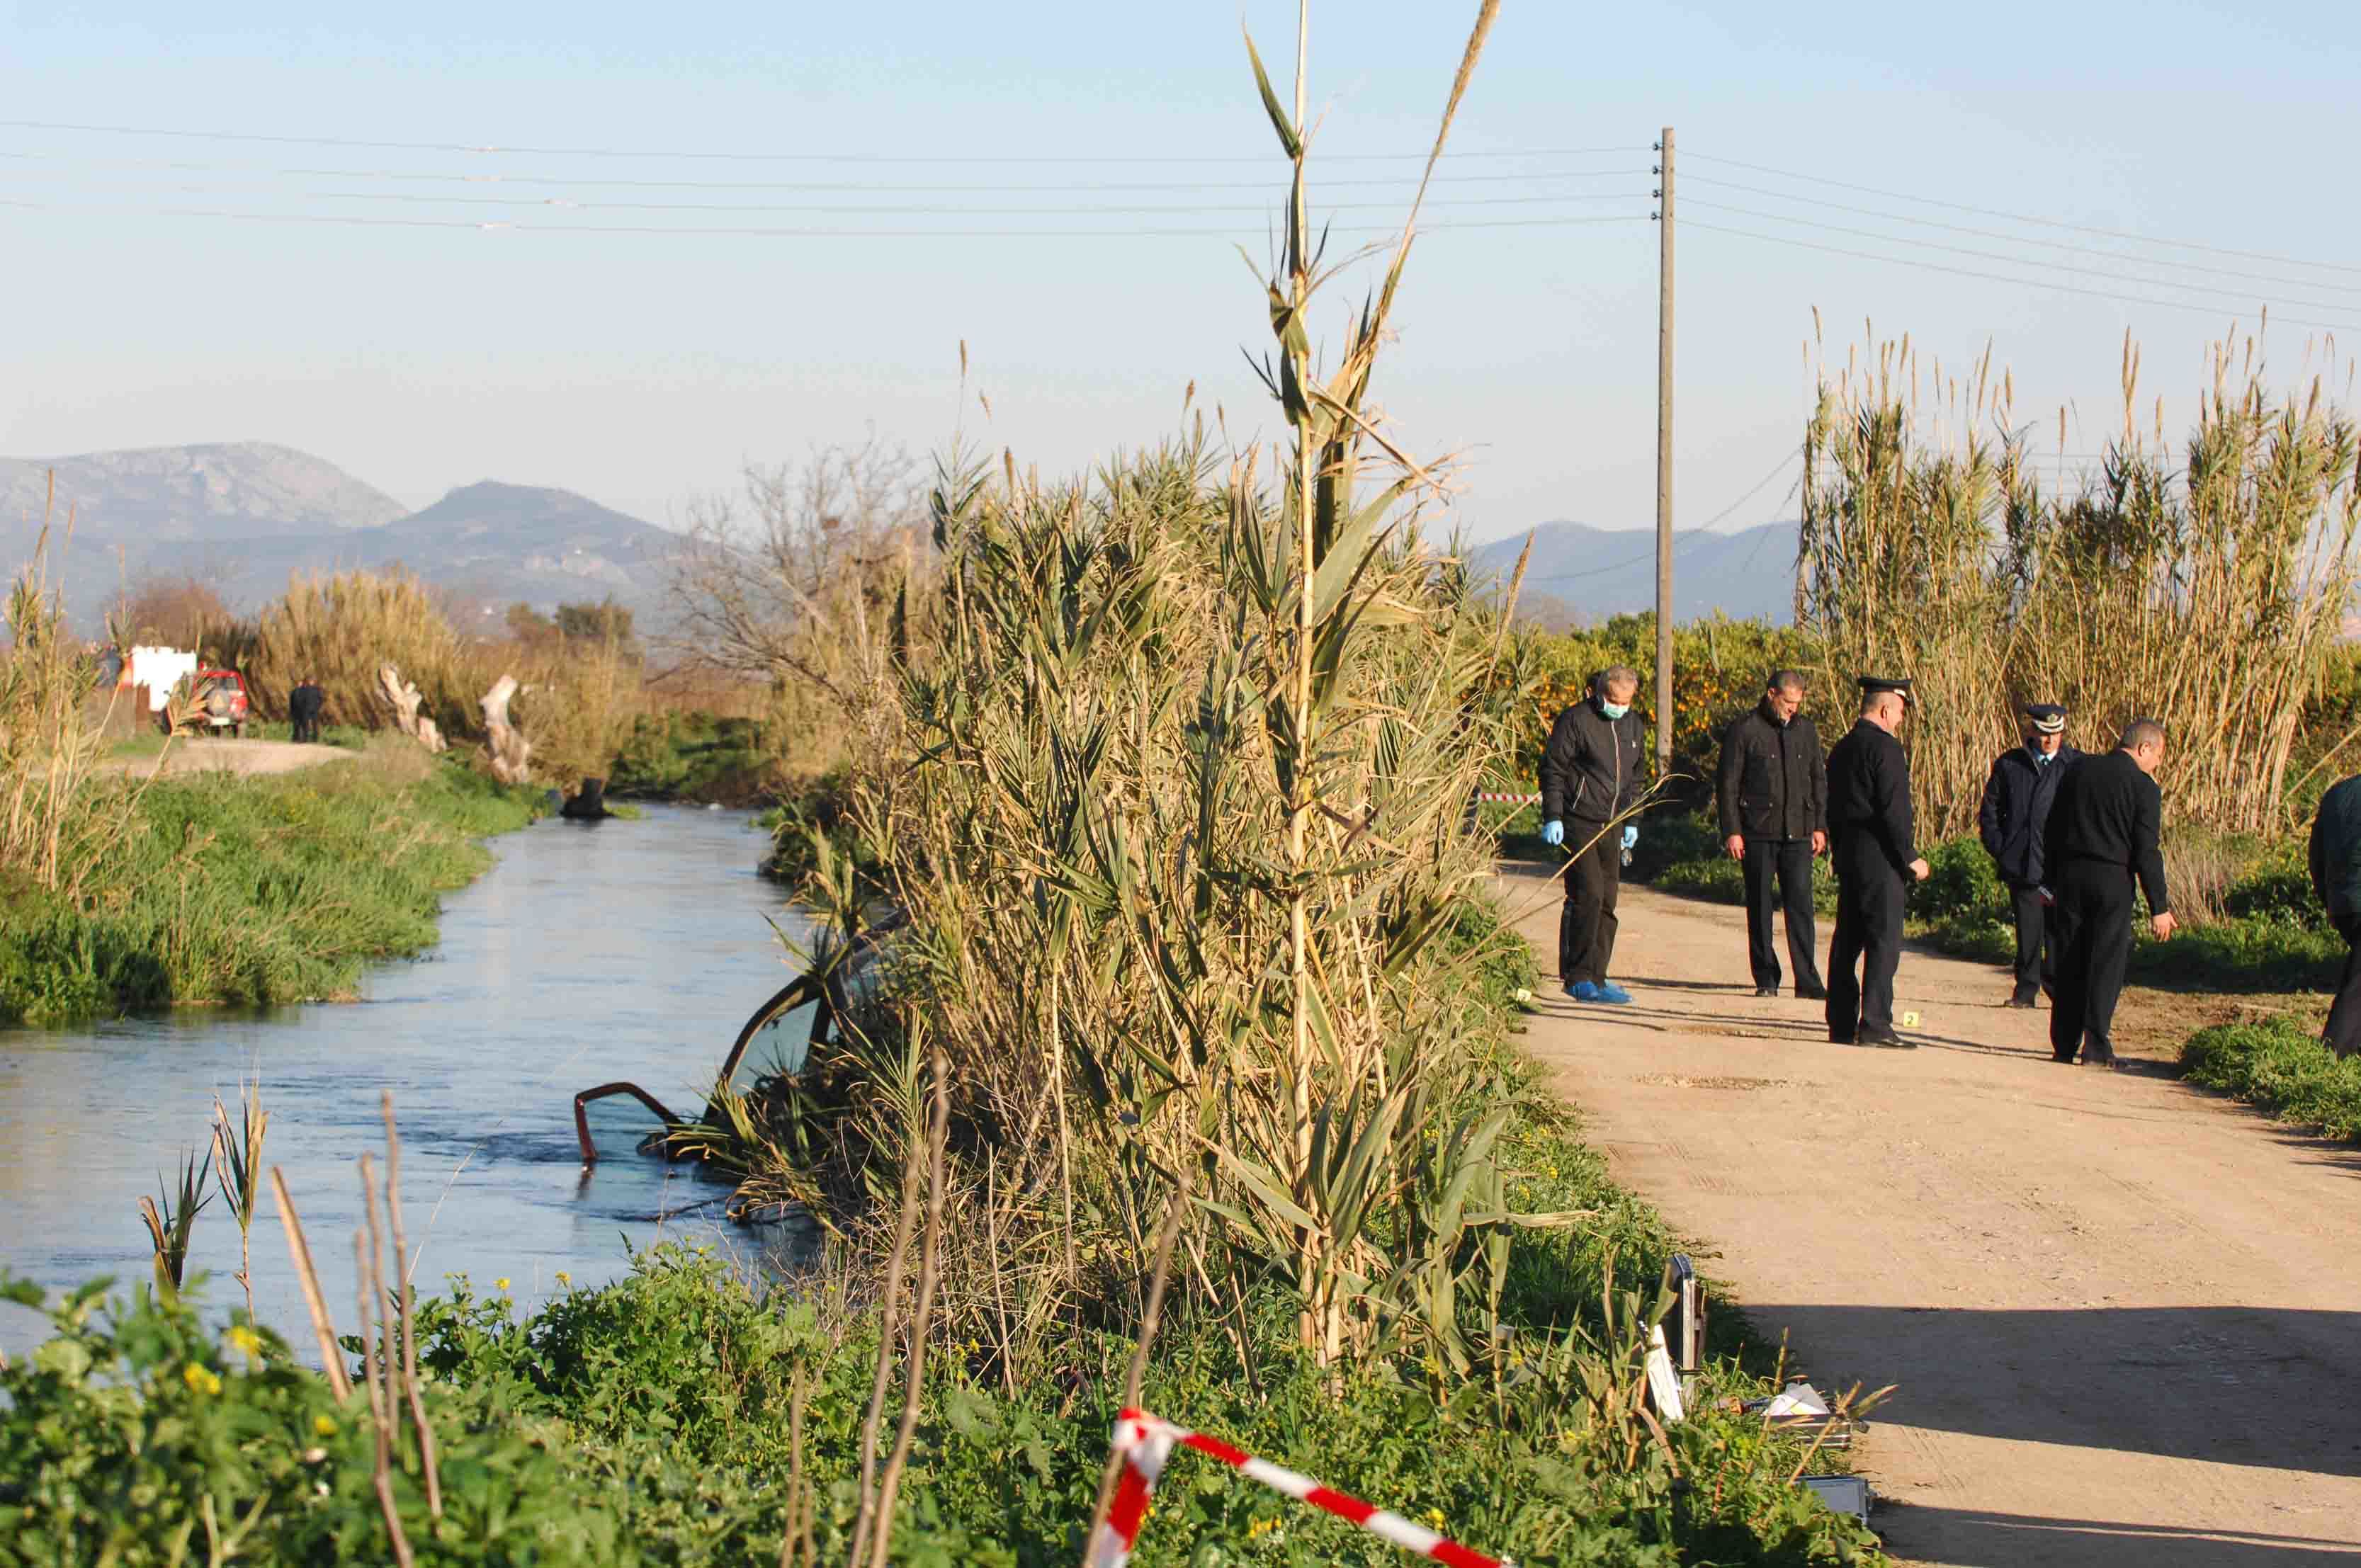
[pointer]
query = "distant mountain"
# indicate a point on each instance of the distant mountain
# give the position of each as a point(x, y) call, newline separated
point(245, 517)
point(238, 489)
point(1580, 574)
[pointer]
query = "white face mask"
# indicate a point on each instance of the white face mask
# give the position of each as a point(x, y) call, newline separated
point(1613, 710)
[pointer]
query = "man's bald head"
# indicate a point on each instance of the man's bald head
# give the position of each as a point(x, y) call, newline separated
point(2144, 738)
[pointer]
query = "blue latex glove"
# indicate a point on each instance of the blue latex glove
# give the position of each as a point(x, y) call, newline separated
point(1552, 832)
point(1630, 835)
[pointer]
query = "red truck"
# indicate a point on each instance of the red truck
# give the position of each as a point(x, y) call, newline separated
point(219, 702)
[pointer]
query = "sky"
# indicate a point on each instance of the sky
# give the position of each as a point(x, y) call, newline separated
point(387, 331)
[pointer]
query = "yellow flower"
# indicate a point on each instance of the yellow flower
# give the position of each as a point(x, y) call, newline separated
point(1261, 1528)
point(201, 1379)
point(247, 1342)
point(501, 1284)
point(1434, 1519)
point(565, 1280)
point(323, 1427)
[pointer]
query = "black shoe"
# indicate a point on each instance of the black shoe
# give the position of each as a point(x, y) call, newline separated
point(1836, 1039)
point(1811, 991)
point(1885, 1041)
point(2023, 998)
point(2109, 1062)
point(1766, 990)
point(2061, 1061)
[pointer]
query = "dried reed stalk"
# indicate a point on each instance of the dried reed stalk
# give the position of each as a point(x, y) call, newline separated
point(1150, 1319)
point(381, 1417)
point(929, 1271)
point(299, 1252)
point(408, 1358)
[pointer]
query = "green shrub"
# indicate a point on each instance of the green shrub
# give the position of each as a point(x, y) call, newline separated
point(2283, 1068)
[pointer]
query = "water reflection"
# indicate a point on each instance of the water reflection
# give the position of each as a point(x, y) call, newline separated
point(591, 952)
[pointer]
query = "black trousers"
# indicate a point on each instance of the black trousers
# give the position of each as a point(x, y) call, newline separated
point(2342, 1034)
point(1779, 877)
point(2037, 944)
point(1867, 949)
point(2092, 926)
point(1586, 924)
point(306, 722)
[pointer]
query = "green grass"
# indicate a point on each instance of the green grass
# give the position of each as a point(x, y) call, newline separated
point(255, 890)
point(2282, 1067)
point(695, 757)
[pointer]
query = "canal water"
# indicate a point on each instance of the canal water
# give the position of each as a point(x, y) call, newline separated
point(591, 952)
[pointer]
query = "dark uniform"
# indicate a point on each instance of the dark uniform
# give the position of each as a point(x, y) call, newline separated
point(1774, 797)
point(1590, 775)
point(2102, 833)
point(1872, 844)
point(2012, 822)
point(2336, 877)
point(303, 705)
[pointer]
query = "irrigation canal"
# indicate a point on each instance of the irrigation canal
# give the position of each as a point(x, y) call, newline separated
point(591, 952)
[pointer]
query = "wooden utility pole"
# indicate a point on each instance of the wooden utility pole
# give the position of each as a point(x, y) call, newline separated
point(1664, 458)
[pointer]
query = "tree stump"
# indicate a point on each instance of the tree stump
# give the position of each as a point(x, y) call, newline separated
point(510, 752)
point(587, 804)
point(405, 699)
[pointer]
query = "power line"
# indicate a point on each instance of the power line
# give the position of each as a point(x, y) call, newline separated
point(1408, 180)
point(2013, 260)
point(2024, 218)
point(1997, 277)
point(742, 155)
point(933, 209)
point(2026, 238)
point(530, 227)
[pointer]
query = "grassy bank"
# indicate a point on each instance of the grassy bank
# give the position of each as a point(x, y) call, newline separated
point(253, 890)
point(2279, 1066)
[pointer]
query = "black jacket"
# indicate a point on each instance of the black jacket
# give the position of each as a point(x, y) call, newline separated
point(1774, 781)
point(1590, 769)
point(2109, 812)
point(1869, 801)
point(2017, 798)
point(2337, 849)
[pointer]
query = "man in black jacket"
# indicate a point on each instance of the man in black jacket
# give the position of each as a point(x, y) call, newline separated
point(2336, 877)
point(1873, 848)
point(2015, 811)
point(303, 705)
point(2102, 833)
point(1774, 796)
point(1590, 777)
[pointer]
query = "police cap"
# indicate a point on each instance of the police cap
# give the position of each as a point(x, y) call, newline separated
point(1873, 684)
point(2047, 717)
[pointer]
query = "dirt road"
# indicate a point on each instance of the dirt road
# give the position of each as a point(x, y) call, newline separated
point(190, 755)
point(2125, 1315)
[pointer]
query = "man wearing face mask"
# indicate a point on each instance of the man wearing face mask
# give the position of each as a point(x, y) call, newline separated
point(1590, 777)
point(2014, 822)
point(1872, 846)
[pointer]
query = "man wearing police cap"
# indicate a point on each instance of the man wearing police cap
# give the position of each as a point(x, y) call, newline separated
point(2013, 822)
point(1872, 849)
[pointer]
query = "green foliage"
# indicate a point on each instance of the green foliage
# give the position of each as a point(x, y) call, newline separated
point(693, 756)
point(254, 890)
point(2283, 1068)
point(605, 621)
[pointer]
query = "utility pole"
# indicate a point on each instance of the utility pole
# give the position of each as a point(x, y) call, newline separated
point(1665, 458)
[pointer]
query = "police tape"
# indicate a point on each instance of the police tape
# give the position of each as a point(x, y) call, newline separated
point(1144, 1442)
point(1510, 799)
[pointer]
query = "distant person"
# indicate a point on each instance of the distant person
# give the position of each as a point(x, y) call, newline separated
point(2104, 833)
point(1774, 797)
point(2336, 876)
point(304, 706)
point(1872, 846)
point(2012, 821)
point(1590, 776)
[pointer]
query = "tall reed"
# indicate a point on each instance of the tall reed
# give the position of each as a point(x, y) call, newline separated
point(2206, 592)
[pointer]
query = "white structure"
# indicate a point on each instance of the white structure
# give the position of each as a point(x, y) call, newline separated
point(159, 670)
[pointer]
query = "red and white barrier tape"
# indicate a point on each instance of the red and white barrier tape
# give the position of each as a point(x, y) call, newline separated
point(1511, 799)
point(1145, 1442)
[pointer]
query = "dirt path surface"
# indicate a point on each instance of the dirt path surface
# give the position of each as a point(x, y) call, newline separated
point(2125, 1315)
point(186, 755)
